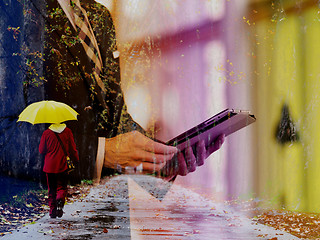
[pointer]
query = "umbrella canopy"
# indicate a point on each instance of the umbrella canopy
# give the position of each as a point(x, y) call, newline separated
point(47, 112)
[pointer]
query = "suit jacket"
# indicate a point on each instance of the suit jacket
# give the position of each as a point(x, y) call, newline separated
point(69, 76)
point(55, 158)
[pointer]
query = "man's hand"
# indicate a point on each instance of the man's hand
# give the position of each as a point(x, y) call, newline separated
point(191, 162)
point(133, 149)
point(187, 162)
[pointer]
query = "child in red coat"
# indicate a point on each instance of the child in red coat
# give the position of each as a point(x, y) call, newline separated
point(55, 164)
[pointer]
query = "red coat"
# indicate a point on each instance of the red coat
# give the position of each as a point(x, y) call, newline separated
point(55, 159)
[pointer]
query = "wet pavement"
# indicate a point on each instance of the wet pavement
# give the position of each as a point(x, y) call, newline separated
point(129, 207)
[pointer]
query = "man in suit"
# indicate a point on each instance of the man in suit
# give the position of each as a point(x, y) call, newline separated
point(80, 37)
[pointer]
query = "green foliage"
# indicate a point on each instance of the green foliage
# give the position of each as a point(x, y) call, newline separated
point(60, 39)
point(86, 182)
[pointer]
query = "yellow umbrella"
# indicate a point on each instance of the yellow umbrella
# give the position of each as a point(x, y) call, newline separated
point(47, 112)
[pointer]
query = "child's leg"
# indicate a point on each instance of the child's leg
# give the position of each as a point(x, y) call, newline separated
point(52, 193)
point(62, 190)
point(62, 186)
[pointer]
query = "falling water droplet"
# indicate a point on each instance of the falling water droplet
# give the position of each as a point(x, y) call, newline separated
point(279, 12)
point(282, 15)
point(318, 13)
point(318, 16)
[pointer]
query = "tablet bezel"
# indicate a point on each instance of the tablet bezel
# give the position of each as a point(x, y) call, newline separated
point(225, 122)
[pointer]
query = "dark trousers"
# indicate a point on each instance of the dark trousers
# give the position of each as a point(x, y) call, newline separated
point(57, 189)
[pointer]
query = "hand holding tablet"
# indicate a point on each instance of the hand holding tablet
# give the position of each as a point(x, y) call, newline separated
point(209, 133)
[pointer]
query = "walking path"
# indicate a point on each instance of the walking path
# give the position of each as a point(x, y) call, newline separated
point(128, 207)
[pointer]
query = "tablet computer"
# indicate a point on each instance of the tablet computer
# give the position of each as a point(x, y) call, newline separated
point(225, 122)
